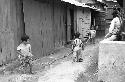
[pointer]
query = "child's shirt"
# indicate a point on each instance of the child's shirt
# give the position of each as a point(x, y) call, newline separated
point(92, 33)
point(77, 42)
point(25, 49)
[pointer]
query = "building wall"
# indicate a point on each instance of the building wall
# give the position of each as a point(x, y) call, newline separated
point(11, 24)
point(101, 23)
point(45, 23)
point(110, 9)
point(124, 14)
point(83, 21)
point(111, 66)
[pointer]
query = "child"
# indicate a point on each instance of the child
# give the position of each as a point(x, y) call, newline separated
point(92, 34)
point(24, 51)
point(77, 47)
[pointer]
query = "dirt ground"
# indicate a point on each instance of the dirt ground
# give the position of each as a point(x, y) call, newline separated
point(63, 70)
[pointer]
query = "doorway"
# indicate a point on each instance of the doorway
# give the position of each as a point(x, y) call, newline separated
point(72, 23)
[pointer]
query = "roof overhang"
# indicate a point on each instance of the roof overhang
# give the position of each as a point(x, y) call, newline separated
point(76, 3)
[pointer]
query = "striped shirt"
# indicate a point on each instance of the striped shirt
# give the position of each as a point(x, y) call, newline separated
point(77, 42)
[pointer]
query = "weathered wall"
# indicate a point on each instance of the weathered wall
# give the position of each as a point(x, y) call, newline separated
point(10, 28)
point(69, 26)
point(112, 61)
point(124, 14)
point(45, 24)
point(110, 9)
point(101, 23)
point(83, 21)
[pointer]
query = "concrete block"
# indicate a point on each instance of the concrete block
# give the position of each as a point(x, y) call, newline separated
point(111, 62)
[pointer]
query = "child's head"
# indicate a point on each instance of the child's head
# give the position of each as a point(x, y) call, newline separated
point(25, 38)
point(92, 27)
point(77, 35)
point(115, 13)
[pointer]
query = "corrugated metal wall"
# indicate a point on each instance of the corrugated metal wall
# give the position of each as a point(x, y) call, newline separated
point(45, 24)
point(10, 28)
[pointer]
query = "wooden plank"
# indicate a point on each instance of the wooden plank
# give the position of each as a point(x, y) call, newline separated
point(40, 27)
point(68, 25)
point(10, 23)
point(32, 18)
point(45, 23)
point(59, 24)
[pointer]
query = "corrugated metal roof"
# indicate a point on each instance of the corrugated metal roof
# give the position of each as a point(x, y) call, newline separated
point(76, 3)
point(80, 4)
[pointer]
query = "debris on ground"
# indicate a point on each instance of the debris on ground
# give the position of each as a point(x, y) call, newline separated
point(63, 70)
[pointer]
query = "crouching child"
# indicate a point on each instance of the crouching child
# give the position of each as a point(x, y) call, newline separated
point(77, 47)
point(24, 52)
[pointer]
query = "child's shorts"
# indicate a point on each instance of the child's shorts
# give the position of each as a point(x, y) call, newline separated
point(77, 53)
point(26, 59)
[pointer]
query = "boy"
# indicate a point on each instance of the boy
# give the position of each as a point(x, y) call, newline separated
point(77, 47)
point(24, 51)
point(92, 34)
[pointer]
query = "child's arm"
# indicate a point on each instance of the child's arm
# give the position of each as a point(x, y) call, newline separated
point(19, 50)
point(73, 45)
point(19, 54)
point(30, 51)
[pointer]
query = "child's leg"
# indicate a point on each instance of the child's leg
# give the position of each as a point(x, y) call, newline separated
point(92, 40)
point(78, 55)
point(74, 56)
point(30, 65)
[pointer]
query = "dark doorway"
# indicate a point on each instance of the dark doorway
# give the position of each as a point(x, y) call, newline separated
point(72, 23)
point(23, 25)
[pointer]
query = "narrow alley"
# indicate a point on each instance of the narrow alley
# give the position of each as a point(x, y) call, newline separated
point(62, 70)
point(39, 40)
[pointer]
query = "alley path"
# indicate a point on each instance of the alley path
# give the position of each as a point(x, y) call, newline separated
point(63, 70)
point(67, 71)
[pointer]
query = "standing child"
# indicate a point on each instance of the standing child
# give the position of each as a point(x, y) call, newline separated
point(24, 51)
point(92, 35)
point(77, 47)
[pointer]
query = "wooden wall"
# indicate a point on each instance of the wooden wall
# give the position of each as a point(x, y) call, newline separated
point(83, 21)
point(45, 24)
point(68, 25)
point(10, 28)
point(101, 23)
point(124, 14)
